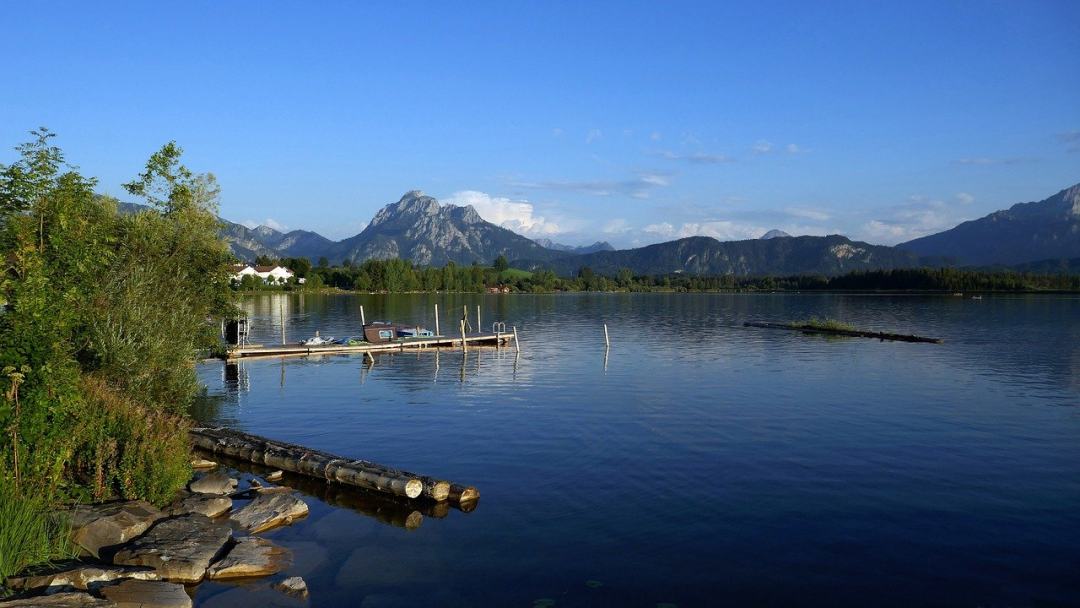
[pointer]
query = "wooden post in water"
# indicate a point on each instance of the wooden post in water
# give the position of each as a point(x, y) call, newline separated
point(464, 348)
point(465, 313)
point(436, 319)
point(517, 344)
point(362, 321)
point(607, 341)
point(479, 325)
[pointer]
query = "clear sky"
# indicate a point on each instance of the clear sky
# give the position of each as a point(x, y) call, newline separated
point(633, 122)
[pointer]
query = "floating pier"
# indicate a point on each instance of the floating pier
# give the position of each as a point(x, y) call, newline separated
point(463, 341)
point(322, 465)
point(853, 333)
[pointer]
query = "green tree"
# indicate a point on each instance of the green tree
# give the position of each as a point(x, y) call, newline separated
point(501, 264)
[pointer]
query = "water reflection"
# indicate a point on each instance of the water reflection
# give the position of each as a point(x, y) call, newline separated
point(393, 511)
point(962, 459)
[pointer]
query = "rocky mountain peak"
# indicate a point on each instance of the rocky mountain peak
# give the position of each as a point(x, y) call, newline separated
point(1072, 196)
point(774, 234)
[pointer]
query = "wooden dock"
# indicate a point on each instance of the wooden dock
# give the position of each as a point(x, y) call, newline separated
point(281, 350)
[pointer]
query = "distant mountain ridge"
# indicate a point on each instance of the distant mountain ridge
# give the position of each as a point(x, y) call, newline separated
point(1027, 236)
point(597, 246)
point(1025, 232)
point(833, 254)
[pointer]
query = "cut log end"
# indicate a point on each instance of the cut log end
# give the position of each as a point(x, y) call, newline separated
point(464, 494)
point(413, 520)
point(440, 491)
point(413, 488)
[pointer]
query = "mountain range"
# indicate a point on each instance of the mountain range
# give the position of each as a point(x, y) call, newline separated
point(1033, 235)
point(1025, 232)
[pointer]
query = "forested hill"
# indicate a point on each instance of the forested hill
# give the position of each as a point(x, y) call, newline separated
point(700, 255)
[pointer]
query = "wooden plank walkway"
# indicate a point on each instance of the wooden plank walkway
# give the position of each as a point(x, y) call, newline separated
point(278, 350)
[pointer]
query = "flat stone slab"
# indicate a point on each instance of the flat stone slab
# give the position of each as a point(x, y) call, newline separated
point(180, 549)
point(73, 599)
point(251, 556)
point(216, 482)
point(147, 594)
point(76, 575)
point(94, 527)
point(210, 505)
point(268, 511)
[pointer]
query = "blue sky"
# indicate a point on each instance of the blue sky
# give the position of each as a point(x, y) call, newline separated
point(632, 122)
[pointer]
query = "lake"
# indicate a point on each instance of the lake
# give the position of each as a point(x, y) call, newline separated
point(694, 463)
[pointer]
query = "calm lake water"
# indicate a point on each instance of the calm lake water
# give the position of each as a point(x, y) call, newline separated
point(696, 463)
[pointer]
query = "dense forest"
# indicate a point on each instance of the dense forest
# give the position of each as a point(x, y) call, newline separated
point(396, 276)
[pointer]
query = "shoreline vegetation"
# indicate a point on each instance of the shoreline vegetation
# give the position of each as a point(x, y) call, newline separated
point(96, 376)
point(402, 276)
point(839, 328)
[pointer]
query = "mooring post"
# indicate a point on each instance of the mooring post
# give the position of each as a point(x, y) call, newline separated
point(464, 348)
point(479, 325)
point(437, 320)
point(607, 341)
point(465, 313)
point(281, 318)
point(362, 321)
point(517, 344)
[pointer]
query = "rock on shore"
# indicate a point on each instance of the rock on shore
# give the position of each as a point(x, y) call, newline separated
point(251, 556)
point(95, 527)
point(268, 511)
point(180, 549)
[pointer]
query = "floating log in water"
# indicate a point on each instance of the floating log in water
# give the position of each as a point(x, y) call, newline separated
point(854, 333)
point(299, 459)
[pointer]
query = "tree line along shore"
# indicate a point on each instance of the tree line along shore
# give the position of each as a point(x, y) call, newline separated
point(402, 276)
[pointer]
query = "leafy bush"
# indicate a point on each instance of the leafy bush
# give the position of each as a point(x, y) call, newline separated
point(129, 450)
point(104, 314)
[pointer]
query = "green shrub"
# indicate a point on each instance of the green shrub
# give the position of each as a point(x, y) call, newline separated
point(128, 450)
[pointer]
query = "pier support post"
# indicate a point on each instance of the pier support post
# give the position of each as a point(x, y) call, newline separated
point(479, 325)
point(607, 340)
point(437, 320)
point(464, 348)
point(517, 344)
point(362, 321)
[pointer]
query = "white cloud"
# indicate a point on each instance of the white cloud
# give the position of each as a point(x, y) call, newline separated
point(762, 147)
point(617, 226)
point(268, 222)
point(638, 187)
point(965, 198)
point(723, 230)
point(519, 216)
point(918, 217)
point(1071, 139)
point(697, 158)
point(984, 161)
point(593, 135)
point(792, 149)
point(808, 213)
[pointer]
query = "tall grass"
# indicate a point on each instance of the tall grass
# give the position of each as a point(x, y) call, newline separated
point(31, 532)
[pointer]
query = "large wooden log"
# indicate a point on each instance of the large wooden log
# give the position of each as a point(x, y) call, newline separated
point(313, 463)
point(853, 333)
